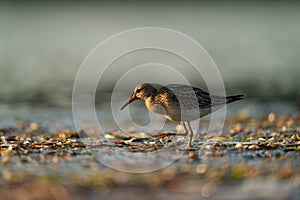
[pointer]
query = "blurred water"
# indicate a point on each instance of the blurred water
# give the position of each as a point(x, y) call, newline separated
point(42, 44)
point(58, 118)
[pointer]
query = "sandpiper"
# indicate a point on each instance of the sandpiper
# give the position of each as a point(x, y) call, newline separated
point(181, 103)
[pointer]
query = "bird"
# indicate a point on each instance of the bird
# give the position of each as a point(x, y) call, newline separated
point(180, 103)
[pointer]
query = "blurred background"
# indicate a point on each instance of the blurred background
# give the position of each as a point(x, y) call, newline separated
point(42, 44)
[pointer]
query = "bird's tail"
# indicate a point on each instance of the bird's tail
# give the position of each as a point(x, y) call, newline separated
point(234, 98)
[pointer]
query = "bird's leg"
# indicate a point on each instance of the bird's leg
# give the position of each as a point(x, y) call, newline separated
point(185, 130)
point(191, 134)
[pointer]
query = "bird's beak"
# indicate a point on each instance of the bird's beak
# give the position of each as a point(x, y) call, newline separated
point(131, 99)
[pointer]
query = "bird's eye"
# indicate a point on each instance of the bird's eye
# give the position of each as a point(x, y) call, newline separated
point(139, 89)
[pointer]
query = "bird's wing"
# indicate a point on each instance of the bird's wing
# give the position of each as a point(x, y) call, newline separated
point(210, 100)
point(187, 96)
point(204, 99)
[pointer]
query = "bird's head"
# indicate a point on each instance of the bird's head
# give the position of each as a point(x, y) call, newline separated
point(141, 91)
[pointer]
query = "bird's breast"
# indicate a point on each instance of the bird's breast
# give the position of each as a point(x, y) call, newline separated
point(156, 108)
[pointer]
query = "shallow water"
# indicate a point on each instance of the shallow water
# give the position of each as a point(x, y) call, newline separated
point(59, 118)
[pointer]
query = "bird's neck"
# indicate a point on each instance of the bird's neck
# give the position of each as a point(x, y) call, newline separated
point(149, 101)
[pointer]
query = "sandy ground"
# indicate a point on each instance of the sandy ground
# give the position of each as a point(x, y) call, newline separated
point(253, 158)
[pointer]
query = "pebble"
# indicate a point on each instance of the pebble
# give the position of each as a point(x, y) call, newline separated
point(201, 168)
point(34, 126)
point(110, 137)
point(253, 147)
point(271, 117)
point(239, 146)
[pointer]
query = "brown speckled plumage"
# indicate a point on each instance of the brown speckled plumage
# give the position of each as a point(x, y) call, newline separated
point(180, 103)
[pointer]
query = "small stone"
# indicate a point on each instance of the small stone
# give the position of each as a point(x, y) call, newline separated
point(239, 146)
point(273, 134)
point(34, 126)
point(115, 133)
point(108, 136)
point(10, 148)
point(201, 169)
point(238, 128)
point(193, 156)
point(290, 123)
point(62, 136)
point(271, 117)
point(283, 128)
point(253, 147)
point(232, 132)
